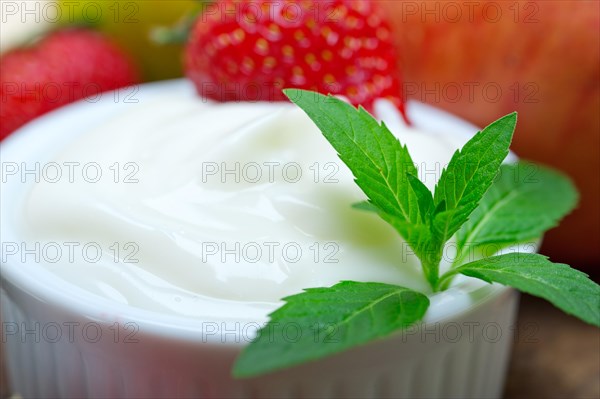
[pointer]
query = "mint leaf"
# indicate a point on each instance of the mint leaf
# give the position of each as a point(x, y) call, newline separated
point(424, 198)
point(374, 155)
point(322, 321)
point(469, 174)
point(365, 206)
point(566, 288)
point(525, 201)
point(383, 170)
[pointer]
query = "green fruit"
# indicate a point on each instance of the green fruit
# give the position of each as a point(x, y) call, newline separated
point(130, 24)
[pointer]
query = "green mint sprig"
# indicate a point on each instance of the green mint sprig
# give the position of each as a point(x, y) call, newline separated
point(525, 201)
point(477, 200)
point(310, 330)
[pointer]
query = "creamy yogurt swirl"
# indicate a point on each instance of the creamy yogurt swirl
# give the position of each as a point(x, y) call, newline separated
point(203, 205)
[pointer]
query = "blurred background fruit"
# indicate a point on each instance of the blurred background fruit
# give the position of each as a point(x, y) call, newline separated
point(65, 66)
point(482, 60)
point(130, 24)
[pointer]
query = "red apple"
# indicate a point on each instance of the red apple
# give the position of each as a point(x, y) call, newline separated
point(481, 60)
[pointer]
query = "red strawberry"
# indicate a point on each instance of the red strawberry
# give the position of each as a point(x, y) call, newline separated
point(64, 67)
point(249, 50)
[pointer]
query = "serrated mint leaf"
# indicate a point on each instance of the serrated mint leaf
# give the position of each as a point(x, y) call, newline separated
point(565, 287)
point(383, 169)
point(374, 155)
point(524, 201)
point(322, 321)
point(469, 174)
point(424, 198)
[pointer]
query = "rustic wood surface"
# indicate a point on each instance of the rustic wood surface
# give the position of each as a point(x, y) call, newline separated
point(554, 356)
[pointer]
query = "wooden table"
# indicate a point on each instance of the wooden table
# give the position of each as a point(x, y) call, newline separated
point(554, 356)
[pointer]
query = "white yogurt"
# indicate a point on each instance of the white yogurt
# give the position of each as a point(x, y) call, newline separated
point(201, 205)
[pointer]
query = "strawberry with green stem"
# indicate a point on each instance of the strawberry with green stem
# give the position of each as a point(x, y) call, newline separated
point(250, 50)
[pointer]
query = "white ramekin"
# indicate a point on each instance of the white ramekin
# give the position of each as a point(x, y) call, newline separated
point(60, 341)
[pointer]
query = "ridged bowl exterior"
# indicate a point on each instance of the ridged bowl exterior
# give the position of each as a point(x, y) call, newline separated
point(462, 357)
